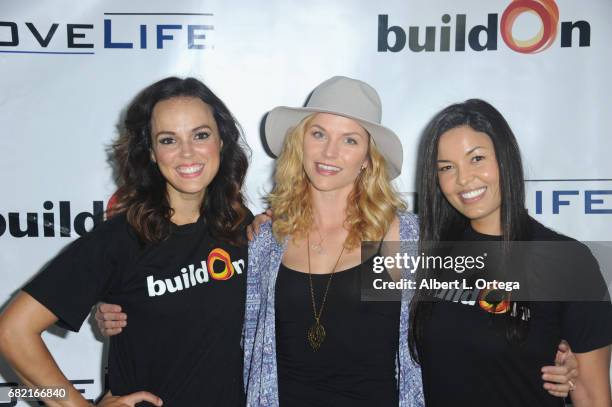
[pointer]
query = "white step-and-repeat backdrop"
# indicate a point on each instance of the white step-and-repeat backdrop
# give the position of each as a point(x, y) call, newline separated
point(68, 69)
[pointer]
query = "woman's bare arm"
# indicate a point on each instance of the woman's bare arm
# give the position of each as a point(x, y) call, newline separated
point(593, 382)
point(21, 326)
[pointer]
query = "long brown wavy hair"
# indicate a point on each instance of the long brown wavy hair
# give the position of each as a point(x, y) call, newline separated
point(142, 193)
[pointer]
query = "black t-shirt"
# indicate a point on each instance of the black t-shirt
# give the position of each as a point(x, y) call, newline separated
point(355, 365)
point(466, 358)
point(185, 303)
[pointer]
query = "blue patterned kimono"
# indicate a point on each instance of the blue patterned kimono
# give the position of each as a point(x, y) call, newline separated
point(260, 374)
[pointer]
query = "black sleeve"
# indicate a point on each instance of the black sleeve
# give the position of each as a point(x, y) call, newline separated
point(587, 321)
point(587, 325)
point(78, 277)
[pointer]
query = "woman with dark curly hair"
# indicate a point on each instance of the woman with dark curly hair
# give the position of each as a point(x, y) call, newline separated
point(173, 254)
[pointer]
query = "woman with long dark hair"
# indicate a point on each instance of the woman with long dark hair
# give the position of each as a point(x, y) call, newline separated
point(173, 254)
point(471, 189)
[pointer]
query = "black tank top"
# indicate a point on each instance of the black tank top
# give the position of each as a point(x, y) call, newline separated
point(355, 365)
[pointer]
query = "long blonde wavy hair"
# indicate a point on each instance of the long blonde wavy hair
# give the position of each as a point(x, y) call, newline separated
point(371, 207)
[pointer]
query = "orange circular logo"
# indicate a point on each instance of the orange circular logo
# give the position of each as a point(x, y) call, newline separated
point(548, 13)
point(494, 301)
point(224, 257)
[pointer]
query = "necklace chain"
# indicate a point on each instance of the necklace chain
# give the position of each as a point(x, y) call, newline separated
point(318, 247)
point(316, 333)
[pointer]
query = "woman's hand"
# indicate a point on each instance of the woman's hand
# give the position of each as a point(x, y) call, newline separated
point(560, 379)
point(253, 228)
point(110, 319)
point(129, 400)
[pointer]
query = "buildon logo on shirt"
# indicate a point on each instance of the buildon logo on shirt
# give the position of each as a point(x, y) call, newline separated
point(191, 276)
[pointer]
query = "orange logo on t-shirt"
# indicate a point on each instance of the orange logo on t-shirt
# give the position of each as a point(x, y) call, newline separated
point(224, 257)
point(494, 301)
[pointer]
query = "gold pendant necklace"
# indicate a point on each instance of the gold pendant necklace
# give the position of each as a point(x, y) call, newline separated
point(316, 333)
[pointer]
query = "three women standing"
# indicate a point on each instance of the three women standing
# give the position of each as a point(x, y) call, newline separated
point(308, 339)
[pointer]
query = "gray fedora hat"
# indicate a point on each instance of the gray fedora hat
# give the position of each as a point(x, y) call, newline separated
point(344, 97)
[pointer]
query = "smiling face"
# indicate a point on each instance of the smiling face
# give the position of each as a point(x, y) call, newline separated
point(335, 152)
point(186, 146)
point(468, 175)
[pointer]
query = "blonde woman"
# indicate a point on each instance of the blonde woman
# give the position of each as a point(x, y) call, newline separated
point(309, 339)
